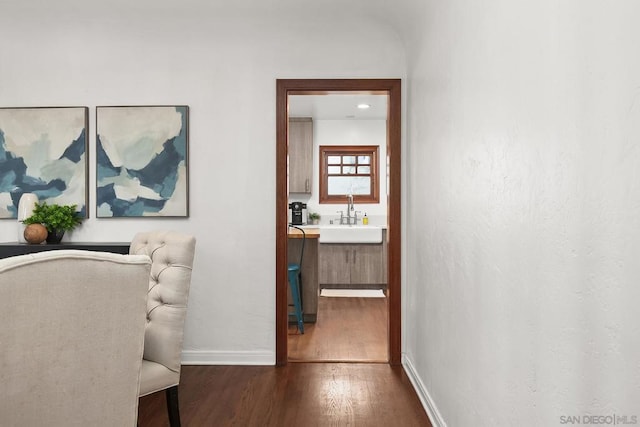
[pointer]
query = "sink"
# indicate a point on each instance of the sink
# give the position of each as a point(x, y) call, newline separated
point(350, 234)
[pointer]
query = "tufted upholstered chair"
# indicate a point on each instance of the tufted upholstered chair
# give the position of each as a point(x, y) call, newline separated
point(71, 338)
point(171, 256)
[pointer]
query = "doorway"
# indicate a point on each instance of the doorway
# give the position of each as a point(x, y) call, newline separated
point(392, 89)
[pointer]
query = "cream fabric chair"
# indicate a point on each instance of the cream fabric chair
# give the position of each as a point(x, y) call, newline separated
point(171, 255)
point(71, 338)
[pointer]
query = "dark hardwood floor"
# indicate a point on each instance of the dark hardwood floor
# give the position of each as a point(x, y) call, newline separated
point(305, 394)
point(347, 330)
point(299, 394)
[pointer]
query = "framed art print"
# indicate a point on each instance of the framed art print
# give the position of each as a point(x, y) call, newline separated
point(142, 162)
point(43, 150)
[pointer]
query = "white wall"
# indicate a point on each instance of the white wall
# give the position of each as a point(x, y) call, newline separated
point(523, 212)
point(223, 62)
point(347, 132)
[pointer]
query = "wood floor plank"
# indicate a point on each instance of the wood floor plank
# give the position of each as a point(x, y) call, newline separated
point(299, 394)
point(347, 330)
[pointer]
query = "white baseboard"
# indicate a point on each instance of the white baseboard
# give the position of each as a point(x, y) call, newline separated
point(424, 396)
point(260, 358)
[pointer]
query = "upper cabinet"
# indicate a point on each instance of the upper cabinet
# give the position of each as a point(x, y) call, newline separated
point(300, 154)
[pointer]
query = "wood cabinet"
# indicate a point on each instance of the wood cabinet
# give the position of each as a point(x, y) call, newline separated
point(358, 266)
point(367, 267)
point(335, 263)
point(300, 154)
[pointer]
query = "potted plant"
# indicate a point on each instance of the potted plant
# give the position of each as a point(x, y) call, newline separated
point(314, 217)
point(56, 218)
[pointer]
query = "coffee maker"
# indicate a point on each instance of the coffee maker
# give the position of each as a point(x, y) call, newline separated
point(297, 213)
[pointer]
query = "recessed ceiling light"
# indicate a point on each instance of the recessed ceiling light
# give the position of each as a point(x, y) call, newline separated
point(363, 106)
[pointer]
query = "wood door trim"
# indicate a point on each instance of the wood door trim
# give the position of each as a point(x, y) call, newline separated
point(392, 88)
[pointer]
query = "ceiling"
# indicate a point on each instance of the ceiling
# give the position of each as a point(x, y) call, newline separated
point(338, 107)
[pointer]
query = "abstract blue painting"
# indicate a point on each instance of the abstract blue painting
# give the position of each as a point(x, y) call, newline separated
point(141, 156)
point(43, 151)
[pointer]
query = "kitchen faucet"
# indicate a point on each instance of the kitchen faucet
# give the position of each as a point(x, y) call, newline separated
point(347, 220)
point(350, 208)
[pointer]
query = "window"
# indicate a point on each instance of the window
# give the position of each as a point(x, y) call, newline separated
point(347, 170)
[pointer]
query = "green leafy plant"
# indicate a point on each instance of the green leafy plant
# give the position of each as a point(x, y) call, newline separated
point(313, 215)
point(55, 217)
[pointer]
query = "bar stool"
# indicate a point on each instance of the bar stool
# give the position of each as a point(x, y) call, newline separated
point(294, 272)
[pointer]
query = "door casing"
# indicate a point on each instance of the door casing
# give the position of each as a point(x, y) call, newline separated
point(391, 88)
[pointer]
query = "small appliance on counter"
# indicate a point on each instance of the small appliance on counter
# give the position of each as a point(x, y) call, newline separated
point(297, 213)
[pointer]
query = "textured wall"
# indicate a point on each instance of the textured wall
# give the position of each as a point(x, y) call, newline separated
point(223, 62)
point(523, 209)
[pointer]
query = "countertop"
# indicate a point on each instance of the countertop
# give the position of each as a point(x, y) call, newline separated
point(382, 225)
point(310, 233)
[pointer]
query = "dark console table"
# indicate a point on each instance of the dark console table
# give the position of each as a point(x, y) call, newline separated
point(13, 249)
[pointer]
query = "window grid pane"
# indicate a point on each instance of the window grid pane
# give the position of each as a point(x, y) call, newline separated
point(349, 160)
point(348, 170)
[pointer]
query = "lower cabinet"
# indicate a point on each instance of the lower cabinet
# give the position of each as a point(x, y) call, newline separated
point(334, 263)
point(367, 267)
point(352, 265)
